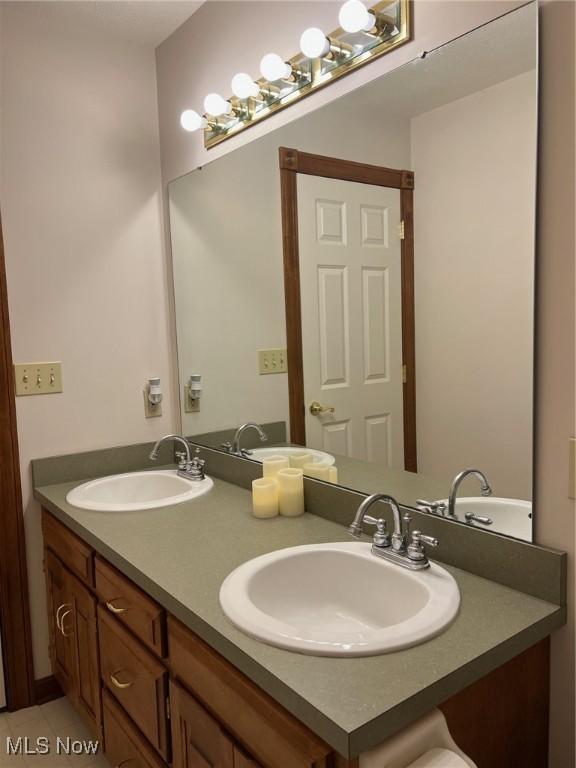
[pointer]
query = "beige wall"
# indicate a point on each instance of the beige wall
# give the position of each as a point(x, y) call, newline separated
point(474, 284)
point(184, 78)
point(80, 195)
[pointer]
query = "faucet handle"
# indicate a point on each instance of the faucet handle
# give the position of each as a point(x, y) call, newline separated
point(431, 507)
point(181, 456)
point(416, 551)
point(381, 537)
point(227, 446)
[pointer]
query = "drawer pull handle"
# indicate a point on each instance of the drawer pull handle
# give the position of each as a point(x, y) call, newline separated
point(125, 762)
point(66, 634)
point(114, 609)
point(117, 684)
point(60, 607)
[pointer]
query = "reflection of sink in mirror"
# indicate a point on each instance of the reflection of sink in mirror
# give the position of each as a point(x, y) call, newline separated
point(137, 491)
point(338, 600)
point(512, 517)
point(318, 457)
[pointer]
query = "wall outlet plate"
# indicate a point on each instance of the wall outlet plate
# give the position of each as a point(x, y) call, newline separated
point(150, 411)
point(37, 378)
point(190, 406)
point(272, 361)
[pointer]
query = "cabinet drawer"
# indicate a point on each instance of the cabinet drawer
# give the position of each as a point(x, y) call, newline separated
point(125, 745)
point(74, 553)
point(269, 732)
point(199, 740)
point(137, 680)
point(131, 606)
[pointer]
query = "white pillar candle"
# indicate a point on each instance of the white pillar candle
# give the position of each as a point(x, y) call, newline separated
point(333, 475)
point(273, 464)
point(290, 492)
point(297, 460)
point(264, 497)
point(317, 470)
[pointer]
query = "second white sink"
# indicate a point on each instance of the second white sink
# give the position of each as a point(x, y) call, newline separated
point(338, 600)
point(137, 490)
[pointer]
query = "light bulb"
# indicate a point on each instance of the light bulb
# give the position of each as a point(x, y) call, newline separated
point(243, 86)
point(191, 120)
point(314, 44)
point(354, 17)
point(273, 68)
point(215, 105)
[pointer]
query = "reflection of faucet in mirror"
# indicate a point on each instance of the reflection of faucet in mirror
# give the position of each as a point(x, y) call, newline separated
point(235, 448)
point(485, 488)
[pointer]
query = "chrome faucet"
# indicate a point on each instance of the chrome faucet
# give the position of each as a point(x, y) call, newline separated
point(188, 467)
point(234, 447)
point(485, 488)
point(402, 548)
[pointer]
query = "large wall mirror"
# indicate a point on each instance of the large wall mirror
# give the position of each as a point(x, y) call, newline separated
point(382, 249)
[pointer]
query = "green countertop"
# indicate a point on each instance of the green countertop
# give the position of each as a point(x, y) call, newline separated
point(181, 554)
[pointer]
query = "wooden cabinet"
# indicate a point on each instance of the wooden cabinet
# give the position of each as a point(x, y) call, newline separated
point(87, 671)
point(131, 606)
point(137, 680)
point(271, 734)
point(73, 640)
point(125, 746)
point(199, 741)
point(61, 641)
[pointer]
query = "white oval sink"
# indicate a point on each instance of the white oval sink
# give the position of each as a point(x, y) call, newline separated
point(318, 457)
point(137, 490)
point(511, 517)
point(338, 600)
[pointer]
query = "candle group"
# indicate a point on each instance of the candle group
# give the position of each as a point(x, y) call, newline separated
point(281, 489)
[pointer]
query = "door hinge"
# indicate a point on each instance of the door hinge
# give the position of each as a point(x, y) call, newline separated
point(401, 230)
point(404, 374)
point(168, 715)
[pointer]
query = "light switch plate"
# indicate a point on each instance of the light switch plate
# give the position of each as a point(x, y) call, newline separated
point(272, 361)
point(190, 406)
point(37, 378)
point(572, 470)
point(150, 411)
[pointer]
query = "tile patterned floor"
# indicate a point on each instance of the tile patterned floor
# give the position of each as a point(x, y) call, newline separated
point(56, 719)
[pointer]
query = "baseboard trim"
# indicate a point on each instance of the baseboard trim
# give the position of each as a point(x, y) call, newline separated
point(47, 689)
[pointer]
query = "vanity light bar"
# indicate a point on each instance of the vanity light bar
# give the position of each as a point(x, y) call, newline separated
point(364, 34)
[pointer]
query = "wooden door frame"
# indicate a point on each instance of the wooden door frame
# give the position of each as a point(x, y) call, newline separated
point(293, 162)
point(14, 604)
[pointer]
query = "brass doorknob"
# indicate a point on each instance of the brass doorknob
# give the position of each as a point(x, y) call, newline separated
point(316, 409)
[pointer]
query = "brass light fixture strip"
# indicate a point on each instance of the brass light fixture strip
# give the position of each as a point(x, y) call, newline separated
point(318, 80)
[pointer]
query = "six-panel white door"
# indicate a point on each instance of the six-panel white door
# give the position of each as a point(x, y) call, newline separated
point(350, 277)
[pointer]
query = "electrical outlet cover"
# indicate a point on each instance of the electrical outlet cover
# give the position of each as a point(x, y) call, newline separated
point(150, 411)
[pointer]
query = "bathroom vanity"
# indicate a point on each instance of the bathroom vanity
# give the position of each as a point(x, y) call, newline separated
point(140, 645)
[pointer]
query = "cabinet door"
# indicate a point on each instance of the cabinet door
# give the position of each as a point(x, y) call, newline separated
point(61, 626)
point(198, 740)
point(242, 760)
point(87, 671)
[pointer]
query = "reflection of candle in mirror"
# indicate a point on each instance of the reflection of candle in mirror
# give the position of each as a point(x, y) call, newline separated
point(333, 475)
point(290, 492)
point(298, 460)
point(264, 497)
point(273, 464)
point(317, 470)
